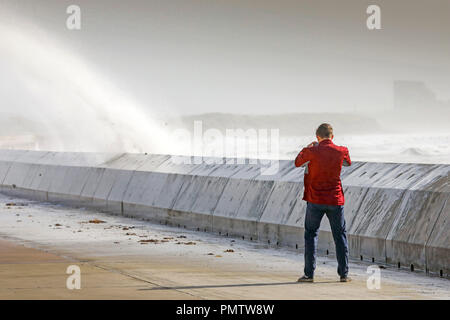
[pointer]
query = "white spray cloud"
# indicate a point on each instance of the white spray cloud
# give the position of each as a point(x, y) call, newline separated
point(73, 105)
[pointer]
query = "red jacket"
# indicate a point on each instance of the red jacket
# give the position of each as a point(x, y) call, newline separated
point(323, 175)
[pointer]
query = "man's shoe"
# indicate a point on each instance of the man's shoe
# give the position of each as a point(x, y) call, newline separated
point(345, 279)
point(305, 279)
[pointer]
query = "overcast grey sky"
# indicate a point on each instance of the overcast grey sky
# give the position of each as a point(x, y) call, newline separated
point(192, 56)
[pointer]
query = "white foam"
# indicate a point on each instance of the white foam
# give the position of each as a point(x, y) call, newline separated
point(65, 103)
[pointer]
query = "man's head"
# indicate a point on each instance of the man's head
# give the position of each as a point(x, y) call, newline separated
point(324, 131)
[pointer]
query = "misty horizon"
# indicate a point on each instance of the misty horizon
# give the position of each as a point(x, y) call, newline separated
point(192, 56)
point(136, 71)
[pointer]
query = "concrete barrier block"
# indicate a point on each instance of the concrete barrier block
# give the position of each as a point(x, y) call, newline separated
point(210, 190)
point(93, 159)
point(354, 198)
point(437, 248)
point(292, 231)
point(185, 198)
point(48, 158)
point(406, 241)
point(348, 170)
point(227, 208)
point(138, 185)
point(111, 177)
point(42, 182)
point(34, 181)
point(79, 178)
point(130, 176)
point(145, 163)
point(114, 202)
point(281, 170)
point(145, 197)
point(59, 184)
point(373, 221)
point(420, 208)
point(240, 207)
point(207, 166)
point(119, 160)
point(4, 168)
point(198, 197)
point(173, 165)
point(16, 175)
point(104, 187)
point(93, 179)
point(222, 170)
point(33, 171)
point(40, 174)
point(69, 190)
point(247, 172)
point(160, 192)
point(19, 173)
point(214, 170)
point(277, 211)
point(385, 175)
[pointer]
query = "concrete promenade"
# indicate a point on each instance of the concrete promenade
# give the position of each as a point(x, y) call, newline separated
point(124, 258)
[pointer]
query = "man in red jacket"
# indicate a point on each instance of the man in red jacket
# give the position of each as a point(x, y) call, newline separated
point(324, 195)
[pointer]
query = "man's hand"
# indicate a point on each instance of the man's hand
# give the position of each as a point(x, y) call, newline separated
point(312, 144)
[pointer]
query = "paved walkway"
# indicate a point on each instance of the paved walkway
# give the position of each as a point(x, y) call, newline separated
point(122, 258)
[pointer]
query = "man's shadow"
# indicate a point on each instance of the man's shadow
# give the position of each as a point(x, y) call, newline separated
point(240, 285)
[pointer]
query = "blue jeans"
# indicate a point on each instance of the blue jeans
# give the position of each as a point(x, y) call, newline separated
point(335, 214)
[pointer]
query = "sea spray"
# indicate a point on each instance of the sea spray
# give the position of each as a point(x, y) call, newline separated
point(69, 104)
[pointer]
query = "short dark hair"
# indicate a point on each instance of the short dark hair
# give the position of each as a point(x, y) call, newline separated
point(325, 130)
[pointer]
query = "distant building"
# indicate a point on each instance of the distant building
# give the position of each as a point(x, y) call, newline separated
point(415, 95)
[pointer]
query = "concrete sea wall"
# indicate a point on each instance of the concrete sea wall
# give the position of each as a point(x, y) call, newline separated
point(396, 213)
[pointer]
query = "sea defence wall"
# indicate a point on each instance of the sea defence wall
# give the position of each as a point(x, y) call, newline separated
point(397, 214)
